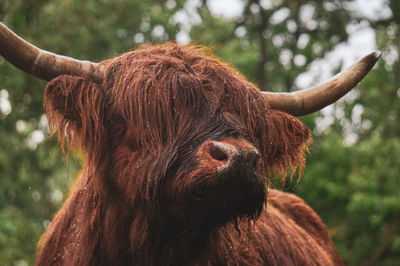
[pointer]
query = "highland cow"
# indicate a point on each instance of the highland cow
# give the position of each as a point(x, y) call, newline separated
point(179, 149)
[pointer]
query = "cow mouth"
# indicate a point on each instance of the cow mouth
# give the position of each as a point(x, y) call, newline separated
point(231, 198)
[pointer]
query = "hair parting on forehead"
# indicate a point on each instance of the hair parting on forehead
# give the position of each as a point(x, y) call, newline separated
point(168, 97)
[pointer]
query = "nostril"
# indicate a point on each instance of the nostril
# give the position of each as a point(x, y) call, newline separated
point(217, 154)
point(223, 156)
point(252, 157)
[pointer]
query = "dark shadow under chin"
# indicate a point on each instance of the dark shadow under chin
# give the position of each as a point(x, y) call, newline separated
point(230, 199)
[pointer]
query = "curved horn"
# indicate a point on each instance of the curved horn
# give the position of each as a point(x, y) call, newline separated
point(311, 100)
point(40, 63)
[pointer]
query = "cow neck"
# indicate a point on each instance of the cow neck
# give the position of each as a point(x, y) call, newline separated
point(163, 238)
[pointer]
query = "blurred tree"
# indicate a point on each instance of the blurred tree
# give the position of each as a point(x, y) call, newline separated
point(351, 185)
point(354, 186)
point(279, 38)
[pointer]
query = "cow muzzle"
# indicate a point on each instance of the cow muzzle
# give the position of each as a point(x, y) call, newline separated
point(231, 181)
point(231, 157)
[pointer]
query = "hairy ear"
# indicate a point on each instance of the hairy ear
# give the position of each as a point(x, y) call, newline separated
point(290, 140)
point(75, 109)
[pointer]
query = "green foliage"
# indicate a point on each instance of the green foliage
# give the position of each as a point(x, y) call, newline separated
point(352, 186)
point(355, 190)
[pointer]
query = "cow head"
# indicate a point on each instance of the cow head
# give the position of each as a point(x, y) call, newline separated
point(172, 128)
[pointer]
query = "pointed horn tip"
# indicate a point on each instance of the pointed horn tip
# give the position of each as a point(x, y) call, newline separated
point(377, 54)
point(368, 61)
point(373, 57)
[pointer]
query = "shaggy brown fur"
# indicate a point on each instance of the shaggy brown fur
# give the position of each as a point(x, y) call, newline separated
point(148, 196)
